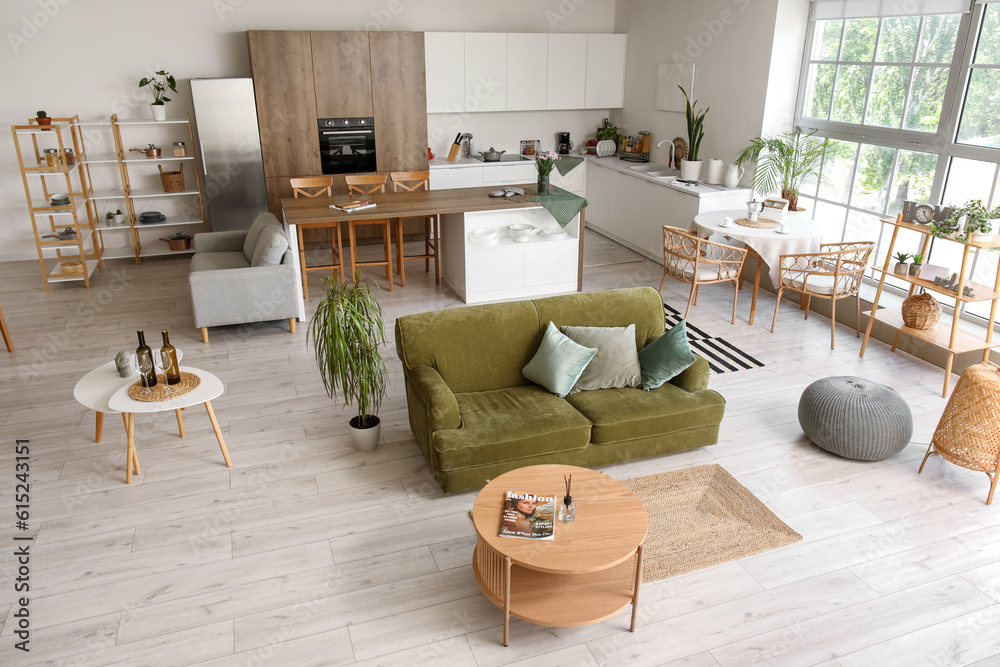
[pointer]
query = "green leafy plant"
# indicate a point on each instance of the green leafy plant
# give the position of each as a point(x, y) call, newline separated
point(695, 126)
point(109, 215)
point(901, 257)
point(159, 85)
point(783, 162)
point(977, 219)
point(607, 131)
point(346, 331)
point(918, 258)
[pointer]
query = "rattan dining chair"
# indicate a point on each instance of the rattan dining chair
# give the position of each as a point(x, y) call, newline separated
point(968, 434)
point(317, 186)
point(834, 273)
point(412, 181)
point(698, 261)
point(369, 184)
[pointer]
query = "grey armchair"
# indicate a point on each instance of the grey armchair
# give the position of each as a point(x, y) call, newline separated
point(239, 277)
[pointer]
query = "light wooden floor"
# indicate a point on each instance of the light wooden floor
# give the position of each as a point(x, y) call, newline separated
point(309, 553)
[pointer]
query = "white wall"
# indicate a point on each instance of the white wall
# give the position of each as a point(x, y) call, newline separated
point(74, 57)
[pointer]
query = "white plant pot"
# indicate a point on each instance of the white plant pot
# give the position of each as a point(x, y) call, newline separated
point(159, 111)
point(365, 439)
point(119, 218)
point(690, 171)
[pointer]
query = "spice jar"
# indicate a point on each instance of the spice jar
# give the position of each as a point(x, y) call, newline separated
point(70, 157)
point(179, 149)
point(51, 157)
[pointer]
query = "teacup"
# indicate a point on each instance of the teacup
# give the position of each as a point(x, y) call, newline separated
point(784, 228)
point(727, 221)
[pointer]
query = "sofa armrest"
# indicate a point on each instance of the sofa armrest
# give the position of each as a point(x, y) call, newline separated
point(442, 406)
point(231, 241)
point(694, 377)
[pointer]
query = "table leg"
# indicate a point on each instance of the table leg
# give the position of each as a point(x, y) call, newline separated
point(180, 422)
point(635, 591)
point(756, 287)
point(218, 434)
point(134, 460)
point(130, 448)
point(99, 428)
point(506, 600)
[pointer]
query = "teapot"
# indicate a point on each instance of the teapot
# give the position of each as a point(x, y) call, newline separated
point(492, 155)
point(733, 175)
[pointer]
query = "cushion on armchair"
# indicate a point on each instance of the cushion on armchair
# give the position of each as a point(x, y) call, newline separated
point(270, 248)
point(263, 221)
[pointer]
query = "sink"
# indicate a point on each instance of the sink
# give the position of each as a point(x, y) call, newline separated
point(645, 168)
point(662, 175)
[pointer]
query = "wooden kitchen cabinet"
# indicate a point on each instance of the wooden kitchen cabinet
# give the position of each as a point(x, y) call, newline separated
point(444, 61)
point(566, 78)
point(399, 95)
point(282, 66)
point(485, 71)
point(527, 76)
point(342, 74)
point(605, 71)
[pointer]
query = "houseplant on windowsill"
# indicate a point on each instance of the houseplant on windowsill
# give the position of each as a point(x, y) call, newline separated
point(544, 162)
point(978, 223)
point(159, 85)
point(691, 167)
point(786, 162)
point(346, 331)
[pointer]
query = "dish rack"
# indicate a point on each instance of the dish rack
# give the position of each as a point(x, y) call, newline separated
point(633, 157)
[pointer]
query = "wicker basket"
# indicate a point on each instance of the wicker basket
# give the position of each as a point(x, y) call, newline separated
point(921, 311)
point(173, 181)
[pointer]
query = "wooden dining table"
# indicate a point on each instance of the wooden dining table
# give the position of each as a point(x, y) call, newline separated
point(415, 204)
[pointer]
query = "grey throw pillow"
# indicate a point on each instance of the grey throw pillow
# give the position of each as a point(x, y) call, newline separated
point(271, 246)
point(616, 363)
point(263, 221)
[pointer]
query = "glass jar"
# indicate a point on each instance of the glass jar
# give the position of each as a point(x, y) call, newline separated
point(70, 157)
point(180, 150)
point(51, 157)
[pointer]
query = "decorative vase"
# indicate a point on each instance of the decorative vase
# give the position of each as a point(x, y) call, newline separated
point(159, 111)
point(365, 439)
point(543, 184)
point(690, 170)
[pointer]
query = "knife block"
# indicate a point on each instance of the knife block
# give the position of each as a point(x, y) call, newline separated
point(453, 153)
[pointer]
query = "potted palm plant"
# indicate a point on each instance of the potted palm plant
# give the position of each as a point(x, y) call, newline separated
point(346, 331)
point(159, 85)
point(691, 167)
point(784, 162)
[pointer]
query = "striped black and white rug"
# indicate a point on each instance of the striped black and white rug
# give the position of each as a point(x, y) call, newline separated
point(721, 355)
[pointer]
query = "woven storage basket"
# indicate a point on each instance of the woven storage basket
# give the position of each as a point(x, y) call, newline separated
point(921, 311)
point(968, 434)
point(173, 181)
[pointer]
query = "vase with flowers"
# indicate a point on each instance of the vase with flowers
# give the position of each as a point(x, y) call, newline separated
point(544, 162)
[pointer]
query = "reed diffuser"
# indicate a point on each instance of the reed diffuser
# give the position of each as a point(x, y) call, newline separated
point(567, 511)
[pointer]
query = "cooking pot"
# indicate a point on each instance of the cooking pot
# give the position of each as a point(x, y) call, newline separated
point(492, 155)
point(178, 242)
point(152, 151)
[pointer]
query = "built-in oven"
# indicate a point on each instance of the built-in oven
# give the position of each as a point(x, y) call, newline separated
point(347, 145)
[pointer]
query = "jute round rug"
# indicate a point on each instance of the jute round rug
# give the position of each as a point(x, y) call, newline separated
point(701, 516)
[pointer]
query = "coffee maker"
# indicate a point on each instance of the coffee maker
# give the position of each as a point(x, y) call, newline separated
point(563, 144)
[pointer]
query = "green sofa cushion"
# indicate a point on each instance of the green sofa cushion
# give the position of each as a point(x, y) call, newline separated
point(509, 424)
point(666, 357)
point(630, 413)
point(642, 306)
point(559, 362)
point(616, 363)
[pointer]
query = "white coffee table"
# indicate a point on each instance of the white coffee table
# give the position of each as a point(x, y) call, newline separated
point(210, 387)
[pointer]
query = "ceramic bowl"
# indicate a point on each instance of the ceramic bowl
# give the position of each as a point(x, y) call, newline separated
point(521, 232)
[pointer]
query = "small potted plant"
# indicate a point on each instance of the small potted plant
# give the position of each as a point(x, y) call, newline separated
point(900, 269)
point(787, 161)
point(544, 162)
point(159, 85)
point(978, 223)
point(43, 119)
point(109, 219)
point(119, 217)
point(607, 132)
point(918, 263)
point(346, 332)
point(691, 167)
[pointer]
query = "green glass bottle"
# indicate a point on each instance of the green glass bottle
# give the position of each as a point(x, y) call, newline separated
point(168, 356)
point(144, 362)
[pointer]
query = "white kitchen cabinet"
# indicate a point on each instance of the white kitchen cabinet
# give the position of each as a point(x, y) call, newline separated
point(458, 177)
point(444, 63)
point(526, 73)
point(510, 173)
point(485, 71)
point(566, 72)
point(605, 71)
point(575, 181)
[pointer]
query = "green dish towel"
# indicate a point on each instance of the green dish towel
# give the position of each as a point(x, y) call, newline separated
point(562, 204)
point(566, 163)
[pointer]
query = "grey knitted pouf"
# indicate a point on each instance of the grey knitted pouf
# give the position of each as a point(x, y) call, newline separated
point(855, 418)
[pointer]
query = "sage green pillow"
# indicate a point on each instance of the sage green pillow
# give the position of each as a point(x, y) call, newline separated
point(616, 363)
point(558, 362)
point(666, 357)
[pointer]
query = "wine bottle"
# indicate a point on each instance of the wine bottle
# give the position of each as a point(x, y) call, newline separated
point(168, 355)
point(144, 362)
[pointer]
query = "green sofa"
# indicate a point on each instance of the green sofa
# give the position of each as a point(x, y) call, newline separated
point(475, 416)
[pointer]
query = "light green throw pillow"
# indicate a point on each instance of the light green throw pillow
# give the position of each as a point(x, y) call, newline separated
point(558, 363)
point(666, 357)
point(616, 363)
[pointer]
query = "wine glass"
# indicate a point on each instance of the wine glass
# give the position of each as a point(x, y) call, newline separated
point(162, 363)
point(145, 365)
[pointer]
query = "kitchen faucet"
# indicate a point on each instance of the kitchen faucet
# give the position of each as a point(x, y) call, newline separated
point(669, 142)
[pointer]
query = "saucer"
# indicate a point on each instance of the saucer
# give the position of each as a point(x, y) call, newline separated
point(778, 231)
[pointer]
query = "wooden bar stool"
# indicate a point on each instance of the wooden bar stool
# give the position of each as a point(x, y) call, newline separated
point(369, 184)
point(317, 186)
point(411, 181)
point(6, 333)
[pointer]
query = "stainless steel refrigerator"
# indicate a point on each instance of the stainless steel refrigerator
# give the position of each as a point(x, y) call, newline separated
point(229, 142)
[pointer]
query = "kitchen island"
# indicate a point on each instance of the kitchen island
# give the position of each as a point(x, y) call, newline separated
point(549, 263)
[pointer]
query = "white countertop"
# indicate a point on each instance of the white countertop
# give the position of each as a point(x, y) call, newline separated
point(637, 169)
point(439, 162)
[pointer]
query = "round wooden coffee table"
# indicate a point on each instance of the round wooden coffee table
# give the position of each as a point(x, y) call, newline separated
point(589, 572)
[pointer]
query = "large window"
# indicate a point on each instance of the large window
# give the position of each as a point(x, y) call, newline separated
point(912, 106)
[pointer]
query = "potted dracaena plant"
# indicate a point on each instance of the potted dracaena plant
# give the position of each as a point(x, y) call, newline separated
point(159, 83)
point(784, 162)
point(346, 331)
point(691, 167)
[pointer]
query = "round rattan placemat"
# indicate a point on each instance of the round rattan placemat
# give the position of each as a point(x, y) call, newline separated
point(759, 223)
point(164, 392)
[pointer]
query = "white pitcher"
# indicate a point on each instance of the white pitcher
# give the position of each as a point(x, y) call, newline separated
point(715, 170)
point(733, 175)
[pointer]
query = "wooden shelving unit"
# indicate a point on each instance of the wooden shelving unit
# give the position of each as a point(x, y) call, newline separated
point(944, 335)
point(186, 208)
point(76, 258)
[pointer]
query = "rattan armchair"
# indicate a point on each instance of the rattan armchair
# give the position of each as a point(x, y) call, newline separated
point(699, 261)
point(834, 273)
point(968, 434)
